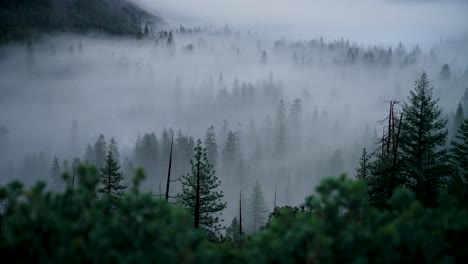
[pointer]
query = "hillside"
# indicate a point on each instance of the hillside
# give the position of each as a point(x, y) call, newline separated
point(21, 18)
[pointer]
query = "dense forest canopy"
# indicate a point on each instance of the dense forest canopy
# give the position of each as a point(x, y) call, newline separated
point(127, 139)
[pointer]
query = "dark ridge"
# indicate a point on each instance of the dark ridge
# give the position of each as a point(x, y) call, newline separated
point(20, 19)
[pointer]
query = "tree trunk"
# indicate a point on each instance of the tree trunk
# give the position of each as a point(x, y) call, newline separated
point(169, 170)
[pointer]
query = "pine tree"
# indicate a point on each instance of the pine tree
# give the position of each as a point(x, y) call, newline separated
point(281, 127)
point(445, 72)
point(232, 158)
point(211, 146)
point(458, 120)
point(100, 149)
point(147, 152)
point(111, 177)
point(257, 209)
point(55, 172)
point(199, 194)
point(423, 136)
point(362, 171)
point(295, 113)
point(459, 158)
point(89, 157)
point(114, 148)
point(232, 231)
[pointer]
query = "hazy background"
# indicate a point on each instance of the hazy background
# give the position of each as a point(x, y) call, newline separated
point(423, 22)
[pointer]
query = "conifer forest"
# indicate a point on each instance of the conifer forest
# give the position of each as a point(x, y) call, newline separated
point(203, 131)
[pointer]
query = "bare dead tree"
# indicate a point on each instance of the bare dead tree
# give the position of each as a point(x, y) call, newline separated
point(169, 169)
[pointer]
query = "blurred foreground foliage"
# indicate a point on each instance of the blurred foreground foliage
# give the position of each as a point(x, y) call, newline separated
point(335, 225)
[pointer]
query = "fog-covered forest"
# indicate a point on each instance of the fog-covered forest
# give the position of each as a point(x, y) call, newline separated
point(234, 129)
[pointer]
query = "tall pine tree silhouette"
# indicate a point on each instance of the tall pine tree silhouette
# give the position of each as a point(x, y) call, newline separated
point(423, 136)
point(111, 177)
point(199, 194)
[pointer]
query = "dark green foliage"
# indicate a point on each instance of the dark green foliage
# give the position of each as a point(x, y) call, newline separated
point(76, 227)
point(111, 178)
point(203, 178)
point(362, 171)
point(457, 120)
point(338, 226)
point(423, 136)
point(459, 158)
point(232, 231)
point(378, 181)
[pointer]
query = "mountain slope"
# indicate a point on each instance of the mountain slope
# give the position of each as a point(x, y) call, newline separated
point(21, 18)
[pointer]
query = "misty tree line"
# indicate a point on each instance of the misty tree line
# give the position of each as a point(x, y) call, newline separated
point(410, 190)
point(413, 153)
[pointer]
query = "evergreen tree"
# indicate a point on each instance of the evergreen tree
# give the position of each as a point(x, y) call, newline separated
point(232, 158)
point(211, 146)
point(459, 158)
point(55, 172)
point(362, 171)
point(232, 231)
point(114, 148)
point(89, 157)
point(445, 72)
point(146, 152)
point(100, 149)
point(111, 177)
point(378, 180)
point(256, 209)
point(458, 120)
point(295, 115)
point(199, 194)
point(423, 136)
point(281, 127)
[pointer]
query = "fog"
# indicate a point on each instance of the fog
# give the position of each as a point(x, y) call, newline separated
point(423, 22)
point(123, 88)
